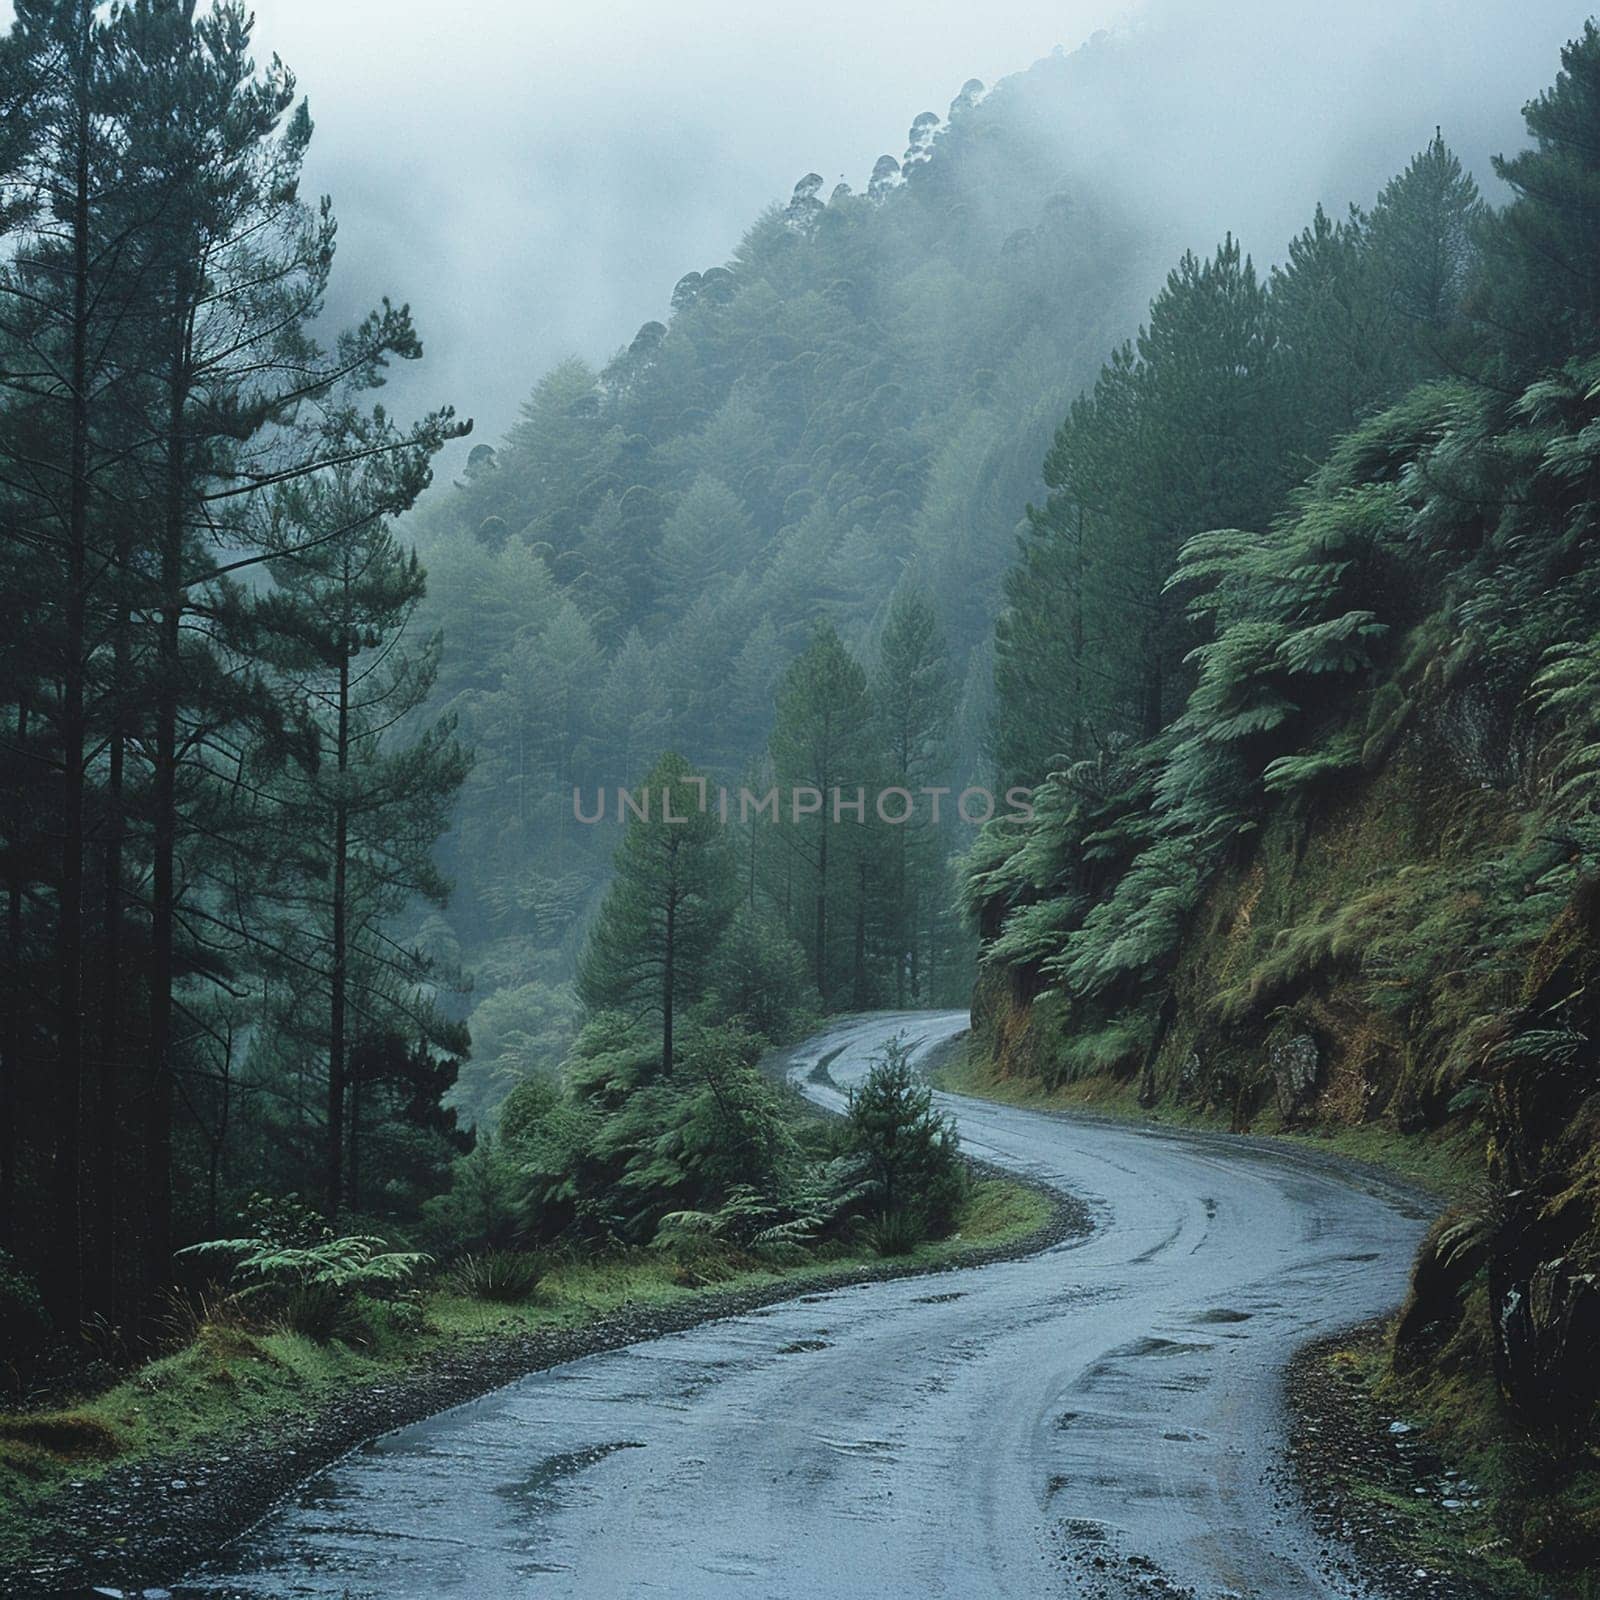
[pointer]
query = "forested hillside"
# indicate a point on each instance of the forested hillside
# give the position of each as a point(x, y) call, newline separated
point(404, 883)
point(846, 418)
point(1302, 652)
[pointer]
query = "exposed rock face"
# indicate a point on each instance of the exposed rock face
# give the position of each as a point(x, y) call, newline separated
point(1296, 1070)
point(1149, 1087)
point(1450, 1258)
point(1013, 1025)
point(1544, 1159)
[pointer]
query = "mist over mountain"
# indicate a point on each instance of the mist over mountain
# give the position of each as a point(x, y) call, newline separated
point(566, 176)
point(856, 402)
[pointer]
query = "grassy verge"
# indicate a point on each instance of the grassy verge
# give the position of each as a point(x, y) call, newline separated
point(1447, 1163)
point(230, 1380)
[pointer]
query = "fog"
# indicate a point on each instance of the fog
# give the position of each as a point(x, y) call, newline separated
point(534, 178)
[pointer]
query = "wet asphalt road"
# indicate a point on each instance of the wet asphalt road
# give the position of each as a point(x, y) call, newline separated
point(1017, 1429)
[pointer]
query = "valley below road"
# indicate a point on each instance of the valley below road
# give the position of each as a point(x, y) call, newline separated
point(1104, 1418)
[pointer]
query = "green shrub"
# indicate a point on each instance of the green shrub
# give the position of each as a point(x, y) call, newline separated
point(893, 1233)
point(911, 1152)
point(320, 1311)
point(505, 1277)
point(481, 1209)
point(526, 1108)
point(759, 975)
point(631, 1142)
point(290, 1267)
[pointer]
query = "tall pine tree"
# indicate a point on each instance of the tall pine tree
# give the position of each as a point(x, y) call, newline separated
point(671, 897)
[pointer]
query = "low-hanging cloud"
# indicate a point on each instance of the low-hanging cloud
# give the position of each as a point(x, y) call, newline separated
point(534, 178)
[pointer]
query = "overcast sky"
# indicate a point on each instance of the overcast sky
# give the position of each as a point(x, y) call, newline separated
point(535, 175)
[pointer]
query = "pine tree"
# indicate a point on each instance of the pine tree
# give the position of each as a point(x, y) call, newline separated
point(706, 540)
point(1049, 693)
point(911, 694)
point(821, 742)
point(236, 266)
point(1423, 239)
point(62, 309)
point(671, 897)
point(1540, 294)
point(375, 802)
point(1185, 430)
point(1334, 324)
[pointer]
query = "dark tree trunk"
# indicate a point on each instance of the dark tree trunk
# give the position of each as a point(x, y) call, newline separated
point(336, 1014)
point(11, 1044)
point(158, 1084)
point(822, 915)
point(67, 1256)
point(859, 991)
point(108, 1089)
point(669, 980)
point(354, 1185)
point(1153, 694)
point(906, 944)
point(164, 827)
point(219, 1144)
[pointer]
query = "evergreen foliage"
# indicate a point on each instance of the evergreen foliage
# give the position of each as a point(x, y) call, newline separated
point(1404, 624)
point(194, 491)
point(651, 948)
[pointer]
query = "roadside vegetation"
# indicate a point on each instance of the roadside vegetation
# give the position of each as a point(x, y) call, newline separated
point(1438, 1481)
point(635, 1187)
point(1447, 1162)
point(228, 1371)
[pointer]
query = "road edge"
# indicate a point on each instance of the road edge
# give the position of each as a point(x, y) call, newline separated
point(158, 1517)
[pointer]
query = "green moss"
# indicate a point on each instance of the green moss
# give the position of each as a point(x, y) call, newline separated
point(70, 1435)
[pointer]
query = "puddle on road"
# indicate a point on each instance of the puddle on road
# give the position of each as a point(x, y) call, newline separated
point(540, 1488)
point(1156, 1346)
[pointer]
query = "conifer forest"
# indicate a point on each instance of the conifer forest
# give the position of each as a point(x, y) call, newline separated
point(928, 924)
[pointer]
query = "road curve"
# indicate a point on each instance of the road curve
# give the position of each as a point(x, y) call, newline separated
point(1101, 1419)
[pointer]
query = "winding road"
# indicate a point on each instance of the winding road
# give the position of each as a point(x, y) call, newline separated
point(1101, 1419)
